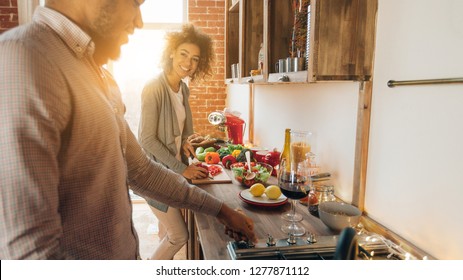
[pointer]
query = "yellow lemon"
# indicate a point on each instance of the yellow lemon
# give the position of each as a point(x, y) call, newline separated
point(257, 189)
point(273, 192)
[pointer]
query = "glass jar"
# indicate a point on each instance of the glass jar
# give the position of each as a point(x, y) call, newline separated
point(319, 192)
point(313, 168)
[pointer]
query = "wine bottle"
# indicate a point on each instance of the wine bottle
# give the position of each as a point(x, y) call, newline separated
point(285, 154)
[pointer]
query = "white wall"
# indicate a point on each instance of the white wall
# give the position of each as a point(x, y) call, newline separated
point(415, 170)
point(329, 110)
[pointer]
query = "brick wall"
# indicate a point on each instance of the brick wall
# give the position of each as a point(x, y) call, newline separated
point(8, 14)
point(208, 96)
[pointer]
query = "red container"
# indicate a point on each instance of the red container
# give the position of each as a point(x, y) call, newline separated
point(273, 158)
point(235, 128)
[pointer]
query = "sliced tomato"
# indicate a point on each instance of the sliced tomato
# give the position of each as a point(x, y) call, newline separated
point(238, 164)
point(214, 169)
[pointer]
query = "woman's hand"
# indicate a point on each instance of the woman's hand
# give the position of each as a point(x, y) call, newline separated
point(188, 149)
point(195, 172)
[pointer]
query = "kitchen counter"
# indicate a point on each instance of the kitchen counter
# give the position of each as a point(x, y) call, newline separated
point(207, 234)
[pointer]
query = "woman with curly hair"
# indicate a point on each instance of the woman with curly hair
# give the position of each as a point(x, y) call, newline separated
point(166, 123)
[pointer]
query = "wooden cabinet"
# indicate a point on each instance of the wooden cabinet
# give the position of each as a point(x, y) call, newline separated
point(232, 38)
point(339, 40)
point(244, 36)
point(343, 39)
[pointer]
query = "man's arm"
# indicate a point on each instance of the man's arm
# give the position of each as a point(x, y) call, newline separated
point(153, 180)
point(30, 224)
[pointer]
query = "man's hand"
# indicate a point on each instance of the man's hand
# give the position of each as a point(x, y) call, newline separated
point(237, 225)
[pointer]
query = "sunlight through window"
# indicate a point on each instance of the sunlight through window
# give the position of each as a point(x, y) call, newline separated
point(139, 61)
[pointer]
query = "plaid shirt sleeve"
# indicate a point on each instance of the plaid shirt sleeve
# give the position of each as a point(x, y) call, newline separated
point(29, 145)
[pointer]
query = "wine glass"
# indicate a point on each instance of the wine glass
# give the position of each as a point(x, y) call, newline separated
point(300, 146)
point(294, 183)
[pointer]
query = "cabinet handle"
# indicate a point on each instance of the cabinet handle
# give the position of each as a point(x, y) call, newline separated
point(283, 78)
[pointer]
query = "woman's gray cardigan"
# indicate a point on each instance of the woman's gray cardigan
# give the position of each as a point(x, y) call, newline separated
point(159, 126)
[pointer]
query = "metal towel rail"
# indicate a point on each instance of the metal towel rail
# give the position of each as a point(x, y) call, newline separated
point(392, 83)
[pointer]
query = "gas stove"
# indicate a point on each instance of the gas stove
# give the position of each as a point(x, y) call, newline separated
point(297, 248)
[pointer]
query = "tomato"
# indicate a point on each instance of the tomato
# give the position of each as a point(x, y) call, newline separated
point(214, 169)
point(238, 164)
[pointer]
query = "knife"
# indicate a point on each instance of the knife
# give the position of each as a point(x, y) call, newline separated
point(192, 160)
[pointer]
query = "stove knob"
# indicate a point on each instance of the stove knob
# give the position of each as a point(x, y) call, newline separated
point(270, 241)
point(292, 239)
point(311, 239)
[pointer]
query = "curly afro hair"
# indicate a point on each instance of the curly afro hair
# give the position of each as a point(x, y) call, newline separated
point(192, 35)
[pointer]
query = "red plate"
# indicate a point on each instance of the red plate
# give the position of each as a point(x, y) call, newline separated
point(247, 197)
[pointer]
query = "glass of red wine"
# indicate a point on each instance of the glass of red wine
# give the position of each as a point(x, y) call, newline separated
point(294, 183)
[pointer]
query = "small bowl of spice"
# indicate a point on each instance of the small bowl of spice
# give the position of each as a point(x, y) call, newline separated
point(339, 215)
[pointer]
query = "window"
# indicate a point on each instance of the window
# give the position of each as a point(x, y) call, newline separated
point(139, 61)
point(26, 9)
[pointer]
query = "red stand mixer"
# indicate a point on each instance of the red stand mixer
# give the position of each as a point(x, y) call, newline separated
point(233, 124)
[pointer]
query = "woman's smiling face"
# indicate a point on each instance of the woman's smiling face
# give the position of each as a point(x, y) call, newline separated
point(185, 59)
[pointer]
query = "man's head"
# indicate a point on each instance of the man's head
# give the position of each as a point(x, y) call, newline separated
point(108, 22)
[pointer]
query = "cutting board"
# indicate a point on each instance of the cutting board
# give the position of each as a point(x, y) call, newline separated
point(220, 178)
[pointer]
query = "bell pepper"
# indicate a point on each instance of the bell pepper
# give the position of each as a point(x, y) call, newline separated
point(228, 160)
point(212, 158)
point(236, 153)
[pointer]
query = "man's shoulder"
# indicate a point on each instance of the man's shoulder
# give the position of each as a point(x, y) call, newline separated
point(33, 37)
point(19, 33)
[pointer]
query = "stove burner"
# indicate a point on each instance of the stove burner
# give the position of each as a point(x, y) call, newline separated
point(270, 248)
point(312, 248)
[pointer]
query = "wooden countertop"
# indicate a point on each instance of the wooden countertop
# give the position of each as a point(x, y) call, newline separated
point(267, 220)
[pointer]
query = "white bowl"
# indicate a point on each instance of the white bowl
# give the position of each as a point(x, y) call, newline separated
point(339, 215)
